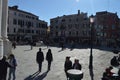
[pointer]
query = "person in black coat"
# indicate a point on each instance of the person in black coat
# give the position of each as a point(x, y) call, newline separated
point(67, 65)
point(114, 61)
point(49, 58)
point(77, 65)
point(3, 68)
point(40, 58)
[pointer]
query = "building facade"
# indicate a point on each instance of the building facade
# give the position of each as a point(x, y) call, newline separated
point(70, 28)
point(77, 28)
point(24, 26)
point(107, 28)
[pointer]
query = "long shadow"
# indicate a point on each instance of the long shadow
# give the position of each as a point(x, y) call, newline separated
point(91, 74)
point(45, 48)
point(91, 67)
point(42, 76)
point(62, 50)
point(28, 50)
point(32, 77)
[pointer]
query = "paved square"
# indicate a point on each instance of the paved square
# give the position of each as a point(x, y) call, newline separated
point(27, 65)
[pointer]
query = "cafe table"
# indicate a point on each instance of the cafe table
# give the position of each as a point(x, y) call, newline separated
point(115, 71)
point(75, 74)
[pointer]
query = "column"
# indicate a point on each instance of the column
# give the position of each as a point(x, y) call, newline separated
point(1, 41)
point(6, 42)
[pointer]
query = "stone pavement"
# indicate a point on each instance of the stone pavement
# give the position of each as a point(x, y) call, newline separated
point(27, 65)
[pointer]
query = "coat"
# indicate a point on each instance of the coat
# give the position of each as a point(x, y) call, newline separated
point(77, 66)
point(3, 67)
point(67, 65)
point(49, 57)
point(39, 57)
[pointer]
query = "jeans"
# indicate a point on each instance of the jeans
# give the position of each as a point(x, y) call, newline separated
point(12, 72)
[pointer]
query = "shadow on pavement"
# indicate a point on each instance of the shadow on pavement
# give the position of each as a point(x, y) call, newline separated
point(91, 73)
point(36, 76)
point(45, 48)
point(42, 76)
point(31, 77)
point(91, 67)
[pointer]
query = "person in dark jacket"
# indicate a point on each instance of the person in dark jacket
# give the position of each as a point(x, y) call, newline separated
point(77, 65)
point(13, 63)
point(3, 68)
point(14, 44)
point(40, 58)
point(49, 58)
point(67, 65)
point(114, 61)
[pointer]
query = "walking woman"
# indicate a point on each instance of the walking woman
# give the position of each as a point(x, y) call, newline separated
point(49, 58)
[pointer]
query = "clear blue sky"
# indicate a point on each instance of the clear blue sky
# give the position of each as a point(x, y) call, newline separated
point(47, 9)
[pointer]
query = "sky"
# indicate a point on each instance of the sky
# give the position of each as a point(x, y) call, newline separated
point(47, 9)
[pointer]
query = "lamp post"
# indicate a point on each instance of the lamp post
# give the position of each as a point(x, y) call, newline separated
point(91, 40)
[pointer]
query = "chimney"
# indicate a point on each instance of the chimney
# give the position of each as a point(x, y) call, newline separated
point(15, 7)
point(78, 12)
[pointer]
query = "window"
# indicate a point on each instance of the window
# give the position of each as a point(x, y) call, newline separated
point(69, 20)
point(113, 26)
point(70, 33)
point(76, 33)
point(32, 31)
point(63, 20)
point(56, 33)
point(14, 30)
point(77, 19)
point(15, 13)
point(14, 21)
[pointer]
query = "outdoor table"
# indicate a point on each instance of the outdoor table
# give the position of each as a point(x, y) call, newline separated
point(115, 71)
point(75, 74)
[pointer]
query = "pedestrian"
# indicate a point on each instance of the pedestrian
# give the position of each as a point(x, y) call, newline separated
point(119, 58)
point(67, 65)
point(12, 70)
point(47, 43)
point(72, 45)
point(62, 46)
point(77, 65)
point(3, 68)
point(14, 44)
point(40, 58)
point(114, 61)
point(49, 58)
point(31, 45)
point(108, 74)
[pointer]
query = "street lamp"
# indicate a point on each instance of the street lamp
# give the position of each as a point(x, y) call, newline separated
point(92, 19)
point(91, 41)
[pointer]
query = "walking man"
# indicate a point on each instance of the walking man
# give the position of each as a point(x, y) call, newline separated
point(67, 65)
point(49, 58)
point(40, 58)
